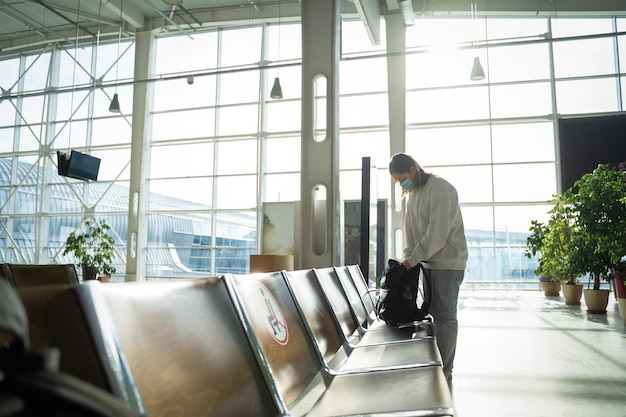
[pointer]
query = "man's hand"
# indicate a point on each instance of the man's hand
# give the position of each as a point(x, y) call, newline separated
point(397, 270)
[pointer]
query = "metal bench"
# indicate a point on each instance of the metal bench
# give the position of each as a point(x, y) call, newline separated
point(338, 352)
point(295, 371)
point(187, 349)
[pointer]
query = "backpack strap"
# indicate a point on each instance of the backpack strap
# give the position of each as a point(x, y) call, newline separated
point(428, 289)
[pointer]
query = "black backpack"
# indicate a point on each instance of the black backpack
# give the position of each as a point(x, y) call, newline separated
point(404, 298)
point(30, 382)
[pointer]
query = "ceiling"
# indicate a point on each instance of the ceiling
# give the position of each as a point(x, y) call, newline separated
point(27, 23)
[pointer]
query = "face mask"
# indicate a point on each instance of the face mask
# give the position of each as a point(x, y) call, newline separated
point(407, 185)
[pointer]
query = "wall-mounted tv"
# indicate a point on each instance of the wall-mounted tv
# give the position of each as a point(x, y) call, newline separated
point(586, 142)
point(79, 165)
point(62, 163)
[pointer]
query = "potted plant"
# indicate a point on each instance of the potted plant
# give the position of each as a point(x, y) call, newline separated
point(599, 201)
point(93, 248)
point(558, 246)
point(534, 244)
point(554, 241)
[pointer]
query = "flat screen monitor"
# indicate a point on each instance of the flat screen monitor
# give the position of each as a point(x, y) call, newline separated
point(586, 142)
point(62, 163)
point(83, 167)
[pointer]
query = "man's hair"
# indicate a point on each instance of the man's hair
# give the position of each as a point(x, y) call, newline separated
point(401, 163)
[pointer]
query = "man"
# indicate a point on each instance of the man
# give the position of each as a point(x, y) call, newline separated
point(435, 236)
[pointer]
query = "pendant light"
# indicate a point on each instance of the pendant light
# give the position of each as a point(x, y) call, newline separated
point(478, 73)
point(277, 91)
point(114, 107)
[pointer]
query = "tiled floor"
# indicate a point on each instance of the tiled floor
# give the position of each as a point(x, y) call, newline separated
point(521, 354)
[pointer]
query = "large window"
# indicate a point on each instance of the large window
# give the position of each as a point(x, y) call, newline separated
point(219, 147)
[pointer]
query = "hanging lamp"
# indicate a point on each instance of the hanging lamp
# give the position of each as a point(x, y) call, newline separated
point(114, 107)
point(277, 91)
point(478, 73)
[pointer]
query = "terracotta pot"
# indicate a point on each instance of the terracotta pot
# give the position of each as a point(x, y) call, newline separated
point(551, 288)
point(104, 278)
point(596, 301)
point(572, 294)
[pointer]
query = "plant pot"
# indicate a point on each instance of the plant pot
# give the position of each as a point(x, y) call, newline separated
point(551, 288)
point(622, 309)
point(596, 301)
point(104, 278)
point(572, 294)
point(618, 288)
point(89, 274)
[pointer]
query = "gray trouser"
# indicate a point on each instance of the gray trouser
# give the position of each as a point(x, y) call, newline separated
point(443, 308)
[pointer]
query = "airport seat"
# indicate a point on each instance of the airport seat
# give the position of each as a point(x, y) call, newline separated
point(186, 349)
point(24, 275)
point(338, 352)
point(300, 383)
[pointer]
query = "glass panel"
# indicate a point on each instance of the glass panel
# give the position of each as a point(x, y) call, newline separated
point(235, 241)
point(523, 62)
point(350, 184)
point(114, 164)
point(32, 110)
point(523, 142)
point(238, 120)
point(354, 38)
point(6, 138)
point(237, 157)
point(29, 139)
point(37, 70)
point(109, 198)
point(283, 115)
point(369, 110)
point(9, 69)
point(70, 135)
point(472, 183)
point(236, 192)
point(584, 57)
point(187, 160)
point(239, 87)
point(74, 67)
point(354, 79)
point(442, 66)
point(187, 124)
point(450, 146)
point(73, 104)
point(524, 182)
point(241, 47)
point(115, 62)
point(354, 146)
point(7, 113)
point(478, 222)
point(112, 131)
point(586, 96)
point(290, 46)
point(181, 53)
point(181, 194)
point(516, 28)
point(178, 94)
point(282, 154)
point(563, 27)
point(438, 34)
point(521, 100)
point(447, 104)
point(282, 187)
